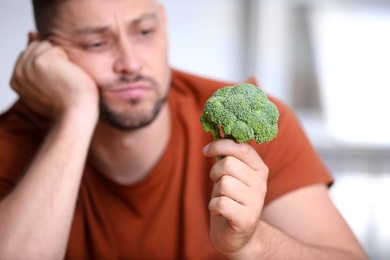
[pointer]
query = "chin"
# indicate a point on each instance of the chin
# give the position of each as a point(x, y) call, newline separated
point(134, 118)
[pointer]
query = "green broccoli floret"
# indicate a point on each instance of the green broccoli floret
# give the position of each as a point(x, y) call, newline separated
point(243, 112)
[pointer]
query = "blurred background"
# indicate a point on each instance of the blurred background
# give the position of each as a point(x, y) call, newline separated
point(328, 60)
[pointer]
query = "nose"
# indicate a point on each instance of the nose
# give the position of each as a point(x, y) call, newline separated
point(127, 60)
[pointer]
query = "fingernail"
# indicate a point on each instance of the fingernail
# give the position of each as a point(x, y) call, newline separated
point(206, 149)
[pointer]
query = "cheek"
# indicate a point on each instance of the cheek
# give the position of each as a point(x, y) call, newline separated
point(159, 69)
point(156, 60)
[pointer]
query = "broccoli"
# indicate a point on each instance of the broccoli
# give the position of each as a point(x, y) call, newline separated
point(243, 112)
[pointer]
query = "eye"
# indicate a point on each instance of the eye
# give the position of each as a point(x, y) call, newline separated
point(97, 45)
point(146, 32)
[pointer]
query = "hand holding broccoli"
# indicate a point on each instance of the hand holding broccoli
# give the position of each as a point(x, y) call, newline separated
point(243, 112)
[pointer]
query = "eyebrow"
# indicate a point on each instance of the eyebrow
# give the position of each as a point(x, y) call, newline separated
point(102, 29)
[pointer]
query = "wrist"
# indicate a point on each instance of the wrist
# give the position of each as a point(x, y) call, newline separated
point(255, 248)
point(85, 116)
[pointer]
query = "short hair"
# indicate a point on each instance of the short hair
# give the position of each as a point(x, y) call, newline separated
point(45, 11)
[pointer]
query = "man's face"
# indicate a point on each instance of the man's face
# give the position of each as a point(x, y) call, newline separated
point(122, 44)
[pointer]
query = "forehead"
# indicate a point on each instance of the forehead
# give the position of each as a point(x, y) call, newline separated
point(79, 13)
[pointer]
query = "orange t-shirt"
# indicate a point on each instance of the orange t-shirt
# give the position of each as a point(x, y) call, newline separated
point(164, 216)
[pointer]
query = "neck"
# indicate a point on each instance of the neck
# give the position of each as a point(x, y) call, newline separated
point(128, 156)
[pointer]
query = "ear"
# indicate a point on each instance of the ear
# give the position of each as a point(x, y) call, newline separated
point(32, 36)
point(163, 13)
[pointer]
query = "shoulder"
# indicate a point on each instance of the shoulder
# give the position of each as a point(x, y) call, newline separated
point(198, 87)
point(182, 78)
point(20, 126)
point(19, 116)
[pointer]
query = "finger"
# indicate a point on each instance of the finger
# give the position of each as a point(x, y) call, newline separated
point(31, 101)
point(34, 46)
point(238, 169)
point(236, 190)
point(230, 187)
point(35, 50)
point(24, 59)
point(33, 62)
point(18, 72)
point(225, 206)
point(234, 167)
point(25, 68)
point(238, 216)
point(241, 151)
point(15, 84)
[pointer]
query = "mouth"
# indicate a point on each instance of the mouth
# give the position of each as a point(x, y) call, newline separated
point(129, 91)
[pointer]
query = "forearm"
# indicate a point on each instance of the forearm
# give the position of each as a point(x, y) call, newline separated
point(35, 218)
point(268, 242)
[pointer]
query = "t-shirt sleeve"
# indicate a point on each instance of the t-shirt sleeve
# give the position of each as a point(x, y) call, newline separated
point(11, 165)
point(19, 140)
point(292, 161)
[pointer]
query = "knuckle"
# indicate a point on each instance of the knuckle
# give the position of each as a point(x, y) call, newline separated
point(18, 70)
point(212, 204)
point(225, 184)
point(15, 79)
point(223, 202)
point(243, 148)
point(264, 169)
point(13, 84)
point(213, 175)
point(228, 162)
point(262, 192)
point(215, 172)
point(260, 186)
point(39, 62)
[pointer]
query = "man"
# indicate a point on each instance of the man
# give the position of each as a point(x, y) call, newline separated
point(142, 182)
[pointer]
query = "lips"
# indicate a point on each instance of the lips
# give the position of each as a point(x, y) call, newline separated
point(129, 92)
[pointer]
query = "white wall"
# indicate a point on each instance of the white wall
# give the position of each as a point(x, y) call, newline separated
point(206, 37)
point(15, 21)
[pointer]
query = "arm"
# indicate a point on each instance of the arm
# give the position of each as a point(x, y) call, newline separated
point(303, 224)
point(35, 217)
point(306, 224)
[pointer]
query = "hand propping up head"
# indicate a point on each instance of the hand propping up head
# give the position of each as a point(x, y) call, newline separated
point(50, 84)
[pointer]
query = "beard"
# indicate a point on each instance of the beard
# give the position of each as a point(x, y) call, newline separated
point(137, 116)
